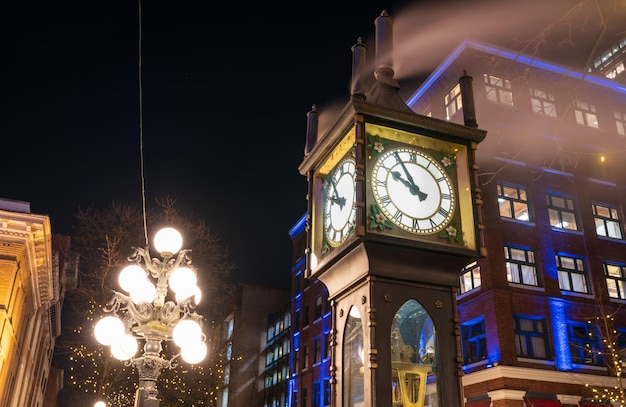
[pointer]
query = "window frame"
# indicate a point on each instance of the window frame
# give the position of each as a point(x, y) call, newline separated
point(579, 270)
point(498, 90)
point(620, 123)
point(474, 340)
point(453, 101)
point(619, 286)
point(513, 202)
point(542, 102)
point(556, 212)
point(612, 218)
point(539, 335)
point(586, 114)
point(470, 274)
point(521, 267)
point(586, 345)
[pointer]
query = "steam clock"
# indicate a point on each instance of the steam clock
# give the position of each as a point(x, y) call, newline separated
point(393, 217)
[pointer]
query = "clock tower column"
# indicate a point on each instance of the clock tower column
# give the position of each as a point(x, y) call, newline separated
point(393, 217)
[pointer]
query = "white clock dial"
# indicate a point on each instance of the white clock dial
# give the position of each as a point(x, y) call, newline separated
point(339, 198)
point(413, 191)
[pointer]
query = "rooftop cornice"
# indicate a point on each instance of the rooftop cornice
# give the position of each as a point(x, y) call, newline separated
point(30, 235)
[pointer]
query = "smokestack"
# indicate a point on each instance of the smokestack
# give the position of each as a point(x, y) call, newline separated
point(311, 129)
point(384, 46)
point(467, 98)
point(358, 69)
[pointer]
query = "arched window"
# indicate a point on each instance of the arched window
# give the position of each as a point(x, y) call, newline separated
point(414, 381)
point(353, 357)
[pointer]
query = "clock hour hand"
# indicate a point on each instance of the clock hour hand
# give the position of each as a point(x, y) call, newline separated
point(413, 189)
point(336, 198)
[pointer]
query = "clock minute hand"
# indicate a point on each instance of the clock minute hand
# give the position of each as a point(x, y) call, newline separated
point(413, 189)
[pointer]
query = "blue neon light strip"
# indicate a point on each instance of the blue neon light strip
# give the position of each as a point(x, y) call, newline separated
point(513, 57)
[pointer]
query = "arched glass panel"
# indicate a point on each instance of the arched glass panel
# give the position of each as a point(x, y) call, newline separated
point(414, 380)
point(353, 372)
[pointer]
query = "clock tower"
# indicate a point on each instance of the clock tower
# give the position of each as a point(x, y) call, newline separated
point(393, 217)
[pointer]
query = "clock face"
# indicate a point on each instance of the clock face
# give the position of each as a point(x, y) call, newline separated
point(339, 197)
point(413, 190)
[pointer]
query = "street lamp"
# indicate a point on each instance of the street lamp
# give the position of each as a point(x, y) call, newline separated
point(147, 313)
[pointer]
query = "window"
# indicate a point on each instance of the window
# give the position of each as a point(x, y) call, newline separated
point(470, 277)
point(317, 394)
point(614, 73)
point(296, 320)
point(474, 341)
point(498, 90)
point(520, 265)
point(531, 338)
point(542, 102)
point(586, 114)
point(572, 275)
point(305, 356)
point(615, 280)
point(562, 212)
point(584, 344)
point(620, 123)
point(326, 392)
point(453, 101)
point(607, 220)
point(318, 307)
point(304, 397)
point(513, 202)
point(317, 350)
point(305, 315)
point(229, 327)
point(270, 332)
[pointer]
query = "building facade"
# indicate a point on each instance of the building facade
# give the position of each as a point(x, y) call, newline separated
point(244, 345)
point(540, 318)
point(310, 332)
point(537, 311)
point(30, 299)
point(277, 351)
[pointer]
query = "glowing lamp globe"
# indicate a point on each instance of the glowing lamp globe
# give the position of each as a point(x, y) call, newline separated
point(100, 404)
point(182, 279)
point(131, 276)
point(144, 291)
point(168, 241)
point(108, 330)
point(124, 348)
point(194, 353)
point(186, 332)
point(190, 292)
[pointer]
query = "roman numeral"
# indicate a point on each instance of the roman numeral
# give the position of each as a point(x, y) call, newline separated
point(442, 212)
point(385, 200)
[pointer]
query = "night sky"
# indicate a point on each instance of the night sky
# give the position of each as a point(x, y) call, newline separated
point(226, 89)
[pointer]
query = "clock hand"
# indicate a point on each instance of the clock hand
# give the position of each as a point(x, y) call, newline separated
point(413, 189)
point(336, 198)
point(339, 201)
point(406, 172)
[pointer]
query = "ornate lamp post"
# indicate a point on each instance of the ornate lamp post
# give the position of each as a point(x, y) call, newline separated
point(148, 314)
